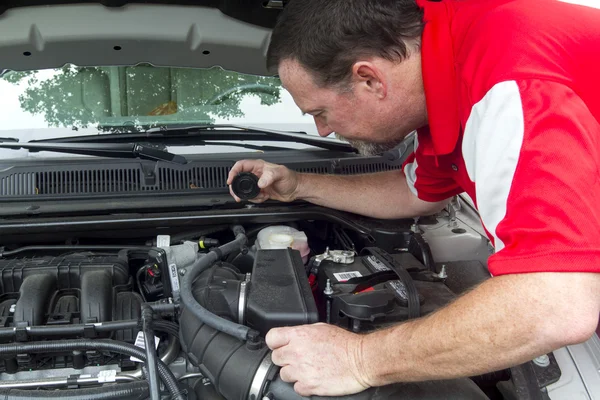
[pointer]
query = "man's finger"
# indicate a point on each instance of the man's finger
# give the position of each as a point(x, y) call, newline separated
point(287, 374)
point(277, 337)
point(261, 197)
point(267, 178)
point(282, 356)
point(233, 195)
point(301, 389)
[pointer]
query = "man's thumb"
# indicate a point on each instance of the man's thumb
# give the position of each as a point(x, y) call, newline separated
point(277, 337)
point(266, 179)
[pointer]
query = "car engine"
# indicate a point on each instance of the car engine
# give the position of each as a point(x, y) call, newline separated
point(184, 315)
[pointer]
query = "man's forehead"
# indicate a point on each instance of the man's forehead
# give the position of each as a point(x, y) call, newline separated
point(292, 74)
point(296, 80)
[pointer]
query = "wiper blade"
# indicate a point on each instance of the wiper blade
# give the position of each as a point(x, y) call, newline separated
point(112, 150)
point(202, 134)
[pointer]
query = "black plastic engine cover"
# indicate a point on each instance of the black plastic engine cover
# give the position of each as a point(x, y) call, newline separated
point(62, 290)
point(279, 292)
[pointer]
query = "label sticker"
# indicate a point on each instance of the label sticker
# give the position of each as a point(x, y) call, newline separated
point(139, 342)
point(399, 288)
point(107, 376)
point(376, 263)
point(163, 241)
point(344, 276)
point(174, 278)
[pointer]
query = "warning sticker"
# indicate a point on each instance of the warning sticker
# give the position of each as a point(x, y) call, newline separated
point(344, 276)
point(174, 278)
point(400, 289)
point(139, 342)
point(376, 263)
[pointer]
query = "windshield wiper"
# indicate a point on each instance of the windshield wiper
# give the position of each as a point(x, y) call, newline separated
point(202, 134)
point(113, 150)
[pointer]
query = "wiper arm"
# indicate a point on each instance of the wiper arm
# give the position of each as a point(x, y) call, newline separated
point(198, 134)
point(242, 132)
point(113, 150)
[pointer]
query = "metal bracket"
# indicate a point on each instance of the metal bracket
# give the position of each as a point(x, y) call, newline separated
point(336, 256)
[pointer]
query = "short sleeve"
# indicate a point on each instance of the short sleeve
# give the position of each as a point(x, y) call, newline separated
point(426, 178)
point(532, 149)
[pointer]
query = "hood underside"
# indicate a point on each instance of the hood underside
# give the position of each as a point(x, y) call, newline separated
point(233, 34)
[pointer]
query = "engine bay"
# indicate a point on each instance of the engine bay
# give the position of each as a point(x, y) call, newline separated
point(78, 318)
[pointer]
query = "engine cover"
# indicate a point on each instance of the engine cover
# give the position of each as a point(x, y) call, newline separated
point(63, 290)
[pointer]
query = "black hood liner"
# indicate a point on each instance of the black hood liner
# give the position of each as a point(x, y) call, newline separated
point(250, 11)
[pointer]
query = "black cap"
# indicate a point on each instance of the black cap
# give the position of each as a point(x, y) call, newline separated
point(245, 186)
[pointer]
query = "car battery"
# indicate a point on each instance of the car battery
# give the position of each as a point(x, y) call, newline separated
point(367, 292)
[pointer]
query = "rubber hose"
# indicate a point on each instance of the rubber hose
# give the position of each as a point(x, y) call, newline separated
point(187, 298)
point(205, 390)
point(166, 326)
point(59, 346)
point(151, 358)
point(126, 391)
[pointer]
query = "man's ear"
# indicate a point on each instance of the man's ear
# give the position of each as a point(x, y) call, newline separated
point(368, 77)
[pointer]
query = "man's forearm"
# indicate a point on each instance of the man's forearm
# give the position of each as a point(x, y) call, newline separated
point(505, 321)
point(378, 195)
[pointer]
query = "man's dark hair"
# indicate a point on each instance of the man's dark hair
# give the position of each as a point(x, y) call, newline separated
point(328, 36)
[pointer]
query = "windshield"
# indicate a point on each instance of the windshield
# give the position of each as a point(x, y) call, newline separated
point(73, 101)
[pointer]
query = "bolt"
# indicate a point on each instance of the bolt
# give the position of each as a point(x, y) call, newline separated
point(443, 274)
point(328, 290)
point(182, 272)
point(415, 226)
point(542, 361)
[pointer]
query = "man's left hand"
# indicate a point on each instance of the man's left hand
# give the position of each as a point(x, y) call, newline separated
point(319, 359)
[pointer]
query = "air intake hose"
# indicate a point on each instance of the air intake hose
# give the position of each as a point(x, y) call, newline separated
point(202, 314)
point(236, 368)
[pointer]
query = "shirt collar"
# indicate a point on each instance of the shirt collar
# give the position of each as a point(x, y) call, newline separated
point(439, 79)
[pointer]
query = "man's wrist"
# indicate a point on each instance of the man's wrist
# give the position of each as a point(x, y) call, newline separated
point(368, 359)
point(380, 359)
point(301, 192)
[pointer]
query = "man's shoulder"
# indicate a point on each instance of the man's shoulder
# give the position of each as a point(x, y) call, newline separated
point(500, 40)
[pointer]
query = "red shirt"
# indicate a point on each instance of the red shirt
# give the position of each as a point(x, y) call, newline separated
point(513, 99)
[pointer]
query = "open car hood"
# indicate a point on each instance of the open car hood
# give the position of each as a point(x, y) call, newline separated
point(234, 34)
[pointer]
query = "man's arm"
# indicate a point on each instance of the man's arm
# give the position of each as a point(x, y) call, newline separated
point(505, 321)
point(378, 195)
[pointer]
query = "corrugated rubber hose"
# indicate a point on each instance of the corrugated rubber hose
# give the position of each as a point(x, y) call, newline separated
point(124, 391)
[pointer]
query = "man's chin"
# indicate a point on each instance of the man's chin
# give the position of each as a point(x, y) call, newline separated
point(369, 148)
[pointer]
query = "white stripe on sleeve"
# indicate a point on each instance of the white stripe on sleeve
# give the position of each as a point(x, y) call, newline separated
point(491, 146)
point(410, 170)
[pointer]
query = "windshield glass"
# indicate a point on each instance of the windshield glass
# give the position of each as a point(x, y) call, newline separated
point(72, 101)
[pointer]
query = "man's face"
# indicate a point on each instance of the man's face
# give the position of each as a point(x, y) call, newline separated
point(374, 113)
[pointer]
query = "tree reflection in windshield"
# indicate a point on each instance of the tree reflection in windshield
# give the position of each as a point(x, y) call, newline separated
point(122, 98)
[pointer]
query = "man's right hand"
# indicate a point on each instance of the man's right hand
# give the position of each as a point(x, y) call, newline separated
point(275, 181)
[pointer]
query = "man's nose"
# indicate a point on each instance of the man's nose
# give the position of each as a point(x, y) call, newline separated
point(323, 129)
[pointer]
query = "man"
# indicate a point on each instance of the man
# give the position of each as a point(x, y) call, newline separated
point(504, 95)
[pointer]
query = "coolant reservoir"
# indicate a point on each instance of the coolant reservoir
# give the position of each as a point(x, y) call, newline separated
point(280, 237)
